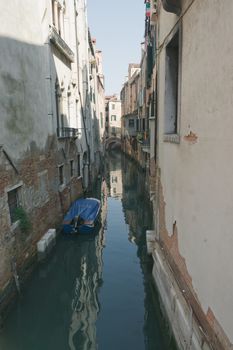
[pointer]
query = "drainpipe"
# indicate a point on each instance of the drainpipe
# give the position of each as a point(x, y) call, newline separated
point(157, 133)
point(80, 96)
point(50, 87)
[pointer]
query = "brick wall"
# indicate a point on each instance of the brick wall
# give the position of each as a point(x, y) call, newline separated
point(35, 177)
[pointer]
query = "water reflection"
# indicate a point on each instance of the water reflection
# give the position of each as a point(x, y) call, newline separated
point(85, 304)
point(88, 297)
point(137, 210)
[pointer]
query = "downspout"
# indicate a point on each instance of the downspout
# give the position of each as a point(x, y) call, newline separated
point(80, 96)
point(157, 171)
point(50, 86)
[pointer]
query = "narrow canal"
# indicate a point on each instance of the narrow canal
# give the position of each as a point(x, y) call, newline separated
point(96, 292)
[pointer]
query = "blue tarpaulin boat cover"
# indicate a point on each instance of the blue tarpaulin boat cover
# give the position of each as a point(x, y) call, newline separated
point(87, 209)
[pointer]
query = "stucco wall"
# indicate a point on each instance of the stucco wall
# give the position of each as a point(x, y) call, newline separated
point(29, 149)
point(23, 104)
point(117, 112)
point(197, 173)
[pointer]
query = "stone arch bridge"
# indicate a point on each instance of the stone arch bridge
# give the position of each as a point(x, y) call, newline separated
point(112, 142)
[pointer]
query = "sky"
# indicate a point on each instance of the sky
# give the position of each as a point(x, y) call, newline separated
point(118, 27)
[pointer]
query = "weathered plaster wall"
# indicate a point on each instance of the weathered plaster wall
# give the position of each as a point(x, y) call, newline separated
point(196, 174)
point(29, 150)
point(22, 78)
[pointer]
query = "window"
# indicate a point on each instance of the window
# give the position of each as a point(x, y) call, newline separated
point(131, 123)
point(59, 11)
point(91, 94)
point(79, 166)
point(57, 17)
point(143, 124)
point(113, 106)
point(13, 203)
point(68, 106)
point(58, 102)
point(171, 85)
point(61, 174)
point(53, 12)
point(113, 118)
point(137, 124)
point(114, 179)
point(71, 168)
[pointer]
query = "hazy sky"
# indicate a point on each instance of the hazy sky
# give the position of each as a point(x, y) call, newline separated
point(118, 27)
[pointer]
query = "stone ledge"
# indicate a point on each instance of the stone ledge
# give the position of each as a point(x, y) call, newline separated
point(173, 138)
point(60, 44)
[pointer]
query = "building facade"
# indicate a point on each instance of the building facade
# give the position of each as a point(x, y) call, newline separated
point(130, 117)
point(113, 119)
point(185, 98)
point(45, 126)
point(192, 203)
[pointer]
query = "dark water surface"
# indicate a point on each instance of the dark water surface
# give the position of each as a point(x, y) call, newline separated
point(96, 292)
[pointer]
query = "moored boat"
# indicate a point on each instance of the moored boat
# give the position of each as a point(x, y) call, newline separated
point(82, 216)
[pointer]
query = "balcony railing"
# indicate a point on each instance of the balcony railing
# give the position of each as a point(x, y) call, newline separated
point(146, 145)
point(66, 132)
point(60, 44)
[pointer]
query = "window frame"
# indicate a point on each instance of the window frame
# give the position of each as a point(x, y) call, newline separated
point(174, 137)
point(79, 166)
point(16, 188)
point(15, 205)
point(61, 175)
point(115, 118)
point(131, 123)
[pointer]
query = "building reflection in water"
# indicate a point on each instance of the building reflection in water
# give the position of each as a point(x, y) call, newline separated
point(61, 303)
point(137, 209)
point(85, 304)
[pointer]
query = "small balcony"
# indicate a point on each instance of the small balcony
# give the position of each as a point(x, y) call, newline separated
point(144, 142)
point(60, 44)
point(66, 132)
point(146, 146)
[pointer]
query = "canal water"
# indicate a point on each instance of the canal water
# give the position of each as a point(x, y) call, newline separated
point(96, 291)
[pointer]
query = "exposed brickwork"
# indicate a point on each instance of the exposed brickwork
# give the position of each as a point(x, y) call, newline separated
point(39, 195)
point(218, 330)
point(171, 241)
point(191, 137)
point(212, 331)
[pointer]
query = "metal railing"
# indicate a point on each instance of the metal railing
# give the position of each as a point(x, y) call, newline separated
point(67, 132)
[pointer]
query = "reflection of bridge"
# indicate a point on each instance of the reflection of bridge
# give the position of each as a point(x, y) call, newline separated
point(112, 142)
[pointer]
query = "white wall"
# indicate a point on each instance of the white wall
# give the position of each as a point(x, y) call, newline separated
point(197, 173)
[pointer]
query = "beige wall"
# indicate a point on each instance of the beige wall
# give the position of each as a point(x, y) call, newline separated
point(116, 110)
point(196, 174)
